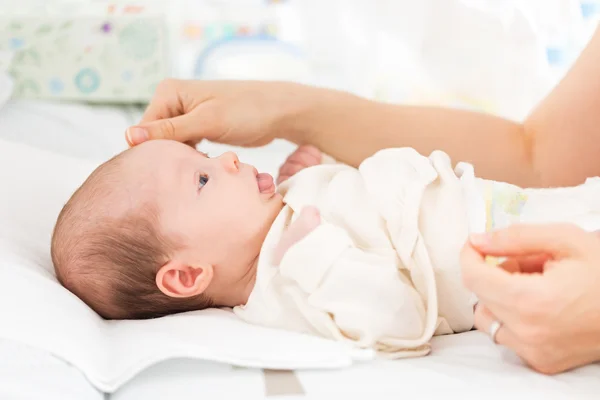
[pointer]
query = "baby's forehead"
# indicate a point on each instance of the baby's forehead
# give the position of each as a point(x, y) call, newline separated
point(157, 155)
point(122, 182)
point(152, 168)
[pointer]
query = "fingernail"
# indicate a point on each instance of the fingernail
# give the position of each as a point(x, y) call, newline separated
point(136, 135)
point(479, 239)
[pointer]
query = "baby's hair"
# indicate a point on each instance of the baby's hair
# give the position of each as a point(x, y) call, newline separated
point(111, 262)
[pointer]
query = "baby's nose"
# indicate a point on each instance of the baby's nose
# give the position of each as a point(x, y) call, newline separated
point(230, 161)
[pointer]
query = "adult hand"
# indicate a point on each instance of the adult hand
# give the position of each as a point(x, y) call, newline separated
point(546, 295)
point(238, 113)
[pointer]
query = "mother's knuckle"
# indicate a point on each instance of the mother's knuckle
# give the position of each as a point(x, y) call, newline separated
point(168, 129)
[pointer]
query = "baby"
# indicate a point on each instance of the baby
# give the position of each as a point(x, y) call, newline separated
point(367, 255)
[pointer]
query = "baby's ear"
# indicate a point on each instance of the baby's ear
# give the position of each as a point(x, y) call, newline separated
point(176, 279)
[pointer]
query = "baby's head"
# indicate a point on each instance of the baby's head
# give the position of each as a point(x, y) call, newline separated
point(161, 229)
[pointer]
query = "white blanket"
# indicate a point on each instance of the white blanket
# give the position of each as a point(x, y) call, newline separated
point(381, 270)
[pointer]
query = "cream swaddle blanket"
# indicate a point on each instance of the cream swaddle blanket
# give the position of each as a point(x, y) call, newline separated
point(382, 269)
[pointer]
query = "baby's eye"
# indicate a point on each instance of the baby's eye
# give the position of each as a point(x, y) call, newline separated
point(202, 181)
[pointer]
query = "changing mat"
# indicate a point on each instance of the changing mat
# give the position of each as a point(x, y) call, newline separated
point(39, 312)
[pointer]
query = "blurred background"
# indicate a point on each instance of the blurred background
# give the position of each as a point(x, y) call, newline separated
point(498, 56)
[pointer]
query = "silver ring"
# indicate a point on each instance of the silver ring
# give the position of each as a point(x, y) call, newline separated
point(494, 328)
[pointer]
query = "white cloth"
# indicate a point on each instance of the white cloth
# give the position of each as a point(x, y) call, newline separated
point(507, 204)
point(382, 269)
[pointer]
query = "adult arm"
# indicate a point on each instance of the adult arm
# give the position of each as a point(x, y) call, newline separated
point(557, 144)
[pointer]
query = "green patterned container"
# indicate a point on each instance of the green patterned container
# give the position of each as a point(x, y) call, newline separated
point(97, 58)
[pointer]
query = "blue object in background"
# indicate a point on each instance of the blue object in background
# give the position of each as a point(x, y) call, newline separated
point(589, 9)
point(16, 43)
point(555, 56)
point(127, 76)
point(87, 81)
point(56, 86)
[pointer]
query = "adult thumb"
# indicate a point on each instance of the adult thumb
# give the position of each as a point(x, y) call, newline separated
point(182, 128)
point(555, 240)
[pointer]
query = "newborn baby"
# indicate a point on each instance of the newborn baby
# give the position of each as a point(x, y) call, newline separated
point(367, 255)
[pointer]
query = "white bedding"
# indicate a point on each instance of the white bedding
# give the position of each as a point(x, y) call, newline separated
point(467, 365)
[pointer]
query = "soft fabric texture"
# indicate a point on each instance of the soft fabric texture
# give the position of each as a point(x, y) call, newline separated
point(382, 269)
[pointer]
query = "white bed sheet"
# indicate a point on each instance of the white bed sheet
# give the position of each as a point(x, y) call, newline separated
point(467, 365)
point(27, 373)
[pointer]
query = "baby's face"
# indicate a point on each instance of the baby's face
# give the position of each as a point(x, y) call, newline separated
point(218, 210)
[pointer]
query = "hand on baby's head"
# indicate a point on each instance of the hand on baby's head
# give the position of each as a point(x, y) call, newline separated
point(151, 232)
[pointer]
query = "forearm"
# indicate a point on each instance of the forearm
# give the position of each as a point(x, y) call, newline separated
point(351, 128)
point(557, 145)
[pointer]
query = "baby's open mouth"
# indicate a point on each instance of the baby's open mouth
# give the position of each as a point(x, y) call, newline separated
point(265, 183)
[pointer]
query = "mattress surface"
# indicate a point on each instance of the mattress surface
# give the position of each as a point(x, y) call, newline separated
point(468, 365)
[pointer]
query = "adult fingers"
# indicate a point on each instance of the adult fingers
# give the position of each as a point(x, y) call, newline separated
point(484, 319)
point(556, 240)
point(511, 265)
point(165, 103)
point(184, 128)
point(491, 283)
point(525, 264)
point(170, 128)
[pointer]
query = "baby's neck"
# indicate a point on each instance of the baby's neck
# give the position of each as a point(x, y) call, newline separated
point(247, 282)
point(245, 285)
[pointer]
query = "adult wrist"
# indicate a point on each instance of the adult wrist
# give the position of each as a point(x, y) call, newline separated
point(308, 111)
point(294, 103)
